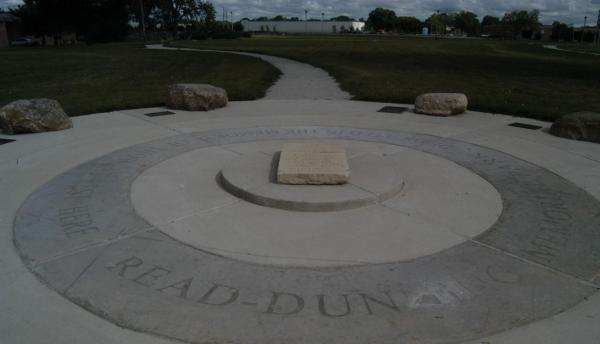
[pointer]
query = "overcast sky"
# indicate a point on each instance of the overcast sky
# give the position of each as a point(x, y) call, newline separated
point(569, 11)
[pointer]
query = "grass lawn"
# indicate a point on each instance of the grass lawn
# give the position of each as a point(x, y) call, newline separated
point(510, 77)
point(118, 76)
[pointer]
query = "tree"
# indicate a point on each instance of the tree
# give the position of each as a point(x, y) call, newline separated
point(561, 32)
point(490, 21)
point(342, 18)
point(522, 23)
point(408, 25)
point(96, 20)
point(439, 22)
point(381, 19)
point(238, 27)
point(467, 22)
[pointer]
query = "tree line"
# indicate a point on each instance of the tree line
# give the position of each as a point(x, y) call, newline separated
point(381, 19)
point(513, 24)
point(113, 20)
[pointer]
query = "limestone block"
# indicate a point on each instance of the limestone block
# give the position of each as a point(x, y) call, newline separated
point(441, 104)
point(313, 164)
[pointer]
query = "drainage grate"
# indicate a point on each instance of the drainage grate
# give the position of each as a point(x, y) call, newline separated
point(162, 113)
point(3, 141)
point(393, 109)
point(525, 126)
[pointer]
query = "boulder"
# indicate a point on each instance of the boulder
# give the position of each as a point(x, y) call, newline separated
point(196, 97)
point(33, 116)
point(583, 126)
point(441, 104)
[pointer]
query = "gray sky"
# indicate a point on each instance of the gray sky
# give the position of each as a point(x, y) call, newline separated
point(569, 11)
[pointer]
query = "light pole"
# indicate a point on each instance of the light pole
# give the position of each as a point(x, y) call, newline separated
point(305, 21)
point(598, 31)
point(583, 30)
point(231, 19)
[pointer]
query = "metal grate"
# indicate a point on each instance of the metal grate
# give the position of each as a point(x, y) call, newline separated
point(157, 114)
point(3, 141)
point(525, 126)
point(393, 109)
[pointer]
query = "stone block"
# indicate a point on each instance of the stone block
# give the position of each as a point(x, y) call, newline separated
point(313, 164)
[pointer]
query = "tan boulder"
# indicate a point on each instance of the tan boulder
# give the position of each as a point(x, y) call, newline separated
point(196, 97)
point(441, 104)
point(583, 126)
point(33, 116)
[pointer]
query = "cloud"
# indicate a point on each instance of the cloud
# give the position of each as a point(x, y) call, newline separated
point(569, 11)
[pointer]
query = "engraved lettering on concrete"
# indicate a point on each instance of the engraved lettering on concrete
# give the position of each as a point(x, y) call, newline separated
point(76, 220)
point(389, 303)
point(124, 265)
point(323, 307)
point(148, 278)
point(181, 288)
point(285, 304)
point(220, 295)
point(554, 231)
point(447, 293)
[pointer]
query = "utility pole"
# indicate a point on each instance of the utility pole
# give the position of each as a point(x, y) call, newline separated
point(598, 31)
point(583, 30)
point(306, 21)
point(142, 21)
point(322, 19)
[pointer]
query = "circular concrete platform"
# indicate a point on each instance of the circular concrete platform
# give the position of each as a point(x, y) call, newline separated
point(81, 235)
point(433, 212)
point(252, 177)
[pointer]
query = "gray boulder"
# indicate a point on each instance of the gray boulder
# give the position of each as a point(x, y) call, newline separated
point(441, 104)
point(583, 126)
point(33, 116)
point(196, 97)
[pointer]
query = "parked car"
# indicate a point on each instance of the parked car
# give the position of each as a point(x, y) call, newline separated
point(24, 42)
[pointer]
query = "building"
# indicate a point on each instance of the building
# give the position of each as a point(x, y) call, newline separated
point(8, 29)
point(303, 26)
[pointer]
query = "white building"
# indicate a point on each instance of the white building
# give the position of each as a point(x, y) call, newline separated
point(303, 26)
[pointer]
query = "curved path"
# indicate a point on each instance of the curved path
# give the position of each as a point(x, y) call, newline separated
point(298, 80)
point(555, 47)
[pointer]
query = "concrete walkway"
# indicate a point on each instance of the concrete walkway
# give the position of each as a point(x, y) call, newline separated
point(299, 80)
point(35, 314)
point(555, 47)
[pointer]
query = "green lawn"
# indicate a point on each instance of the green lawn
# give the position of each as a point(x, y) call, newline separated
point(511, 77)
point(119, 76)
